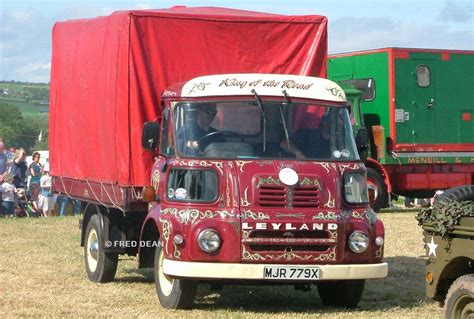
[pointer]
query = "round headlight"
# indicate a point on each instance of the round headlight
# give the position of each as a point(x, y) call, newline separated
point(358, 242)
point(209, 240)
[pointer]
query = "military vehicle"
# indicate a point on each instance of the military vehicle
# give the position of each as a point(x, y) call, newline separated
point(449, 240)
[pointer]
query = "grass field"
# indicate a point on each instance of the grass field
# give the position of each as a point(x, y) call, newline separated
point(26, 108)
point(42, 274)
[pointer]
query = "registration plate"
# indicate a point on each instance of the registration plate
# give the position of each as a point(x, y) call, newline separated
point(291, 273)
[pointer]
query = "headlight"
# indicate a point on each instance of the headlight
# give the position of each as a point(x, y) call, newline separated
point(355, 188)
point(358, 242)
point(209, 240)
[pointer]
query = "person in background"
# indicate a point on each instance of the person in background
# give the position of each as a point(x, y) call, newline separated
point(65, 201)
point(10, 153)
point(3, 168)
point(19, 168)
point(46, 200)
point(36, 170)
point(3, 159)
point(8, 195)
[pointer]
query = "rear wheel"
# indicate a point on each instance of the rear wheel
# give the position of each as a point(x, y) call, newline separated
point(343, 293)
point(377, 189)
point(100, 266)
point(460, 298)
point(173, 293)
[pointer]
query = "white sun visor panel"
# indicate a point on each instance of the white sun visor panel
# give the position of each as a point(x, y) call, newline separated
point(264, 85)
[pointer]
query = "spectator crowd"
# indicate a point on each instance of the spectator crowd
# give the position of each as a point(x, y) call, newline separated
point(29, 184)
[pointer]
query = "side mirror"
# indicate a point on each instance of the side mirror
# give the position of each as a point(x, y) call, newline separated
point(362, 142)
point(150, 135)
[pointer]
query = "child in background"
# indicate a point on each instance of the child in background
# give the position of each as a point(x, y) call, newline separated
point(46, 200)
point(8, 195)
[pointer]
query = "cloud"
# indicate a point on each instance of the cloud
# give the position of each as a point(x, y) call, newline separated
point(37, 71)
point(458, 12)
point(354, 34)
point(20, 16)
point(144, 6)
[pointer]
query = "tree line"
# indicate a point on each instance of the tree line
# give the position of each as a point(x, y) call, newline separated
point(16, 131)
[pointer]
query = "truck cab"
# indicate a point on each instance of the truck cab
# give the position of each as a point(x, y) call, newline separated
point(257, 178)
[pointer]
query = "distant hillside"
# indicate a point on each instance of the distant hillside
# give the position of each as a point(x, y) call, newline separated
point(31, 98)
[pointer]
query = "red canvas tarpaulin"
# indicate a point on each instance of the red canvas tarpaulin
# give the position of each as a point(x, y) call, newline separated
point(108, 73)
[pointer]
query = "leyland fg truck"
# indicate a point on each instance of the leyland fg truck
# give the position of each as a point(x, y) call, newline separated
point(200, 141)
point(417, 106)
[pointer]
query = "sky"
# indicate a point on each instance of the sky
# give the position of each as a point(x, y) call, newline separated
point(25, 26)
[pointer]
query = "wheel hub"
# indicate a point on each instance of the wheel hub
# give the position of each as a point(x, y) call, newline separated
point(92, 250)
point(464, 307)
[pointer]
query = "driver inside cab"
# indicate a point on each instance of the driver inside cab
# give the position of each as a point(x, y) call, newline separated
point(192, 137)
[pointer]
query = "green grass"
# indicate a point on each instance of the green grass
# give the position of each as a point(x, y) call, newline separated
point(26, 108)
point(42, 274)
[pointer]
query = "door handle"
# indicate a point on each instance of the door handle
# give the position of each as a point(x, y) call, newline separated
point(430, 104)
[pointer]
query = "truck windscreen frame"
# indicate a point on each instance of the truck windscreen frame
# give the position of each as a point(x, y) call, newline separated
point(316, 131)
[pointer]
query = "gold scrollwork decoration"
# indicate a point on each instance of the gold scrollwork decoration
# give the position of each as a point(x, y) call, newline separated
point(255, 215)
point(241, 165)
point(310, 182)
point(327, 166)
point(190, 216)
point(227, 193)
point(289, 256)
point(379, 252)
point(344, 167)
point(166, 232)
point(248, 256)
point(244, 200)
point(360, 215)
point(155, 179)
point(331, 201)
point(191, 163)
point(326, 216)
point(269, 180)
point(219, 166)
point(333, 234)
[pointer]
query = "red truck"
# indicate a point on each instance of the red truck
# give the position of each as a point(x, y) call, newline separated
point(194, 151)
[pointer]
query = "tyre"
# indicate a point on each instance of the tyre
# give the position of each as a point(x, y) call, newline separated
point(173, 293)
point(378, 196)
point(460, 298)
point(100, 266)
point(343, 293)
point(458, 194)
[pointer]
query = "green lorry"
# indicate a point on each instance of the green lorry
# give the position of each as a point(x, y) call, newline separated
point(418, 108)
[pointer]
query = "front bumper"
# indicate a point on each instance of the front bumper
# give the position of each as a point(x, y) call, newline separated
point(256, 271)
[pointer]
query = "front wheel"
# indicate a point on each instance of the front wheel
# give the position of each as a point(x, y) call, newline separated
point(173, 293)
point(100, 266)
point(343, 293)
point(460, 298)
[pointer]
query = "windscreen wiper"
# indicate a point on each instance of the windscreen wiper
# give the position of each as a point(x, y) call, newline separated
point(262, 111)
point(285, 102)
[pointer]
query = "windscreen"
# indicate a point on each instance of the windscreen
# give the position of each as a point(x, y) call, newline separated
point(263, 129)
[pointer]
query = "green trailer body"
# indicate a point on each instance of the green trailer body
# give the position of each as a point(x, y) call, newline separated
point(421, 102)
